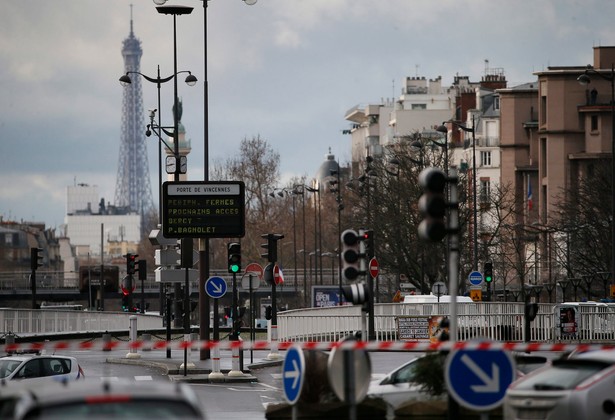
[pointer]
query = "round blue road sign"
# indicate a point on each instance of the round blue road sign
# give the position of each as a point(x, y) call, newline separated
point(476, 278)
point(293, 373)
point(215, 287)
point(478, 379)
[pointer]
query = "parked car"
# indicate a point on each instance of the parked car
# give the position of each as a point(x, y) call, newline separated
point(40, 367)
point(118, 399)
point(580, 387)
point(404, 384)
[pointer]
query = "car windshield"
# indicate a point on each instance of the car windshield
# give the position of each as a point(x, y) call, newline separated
point(8, 366)
point(117, 408)
point(562, 375)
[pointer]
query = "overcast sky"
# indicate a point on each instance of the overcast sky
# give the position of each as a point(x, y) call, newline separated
point(286, 70)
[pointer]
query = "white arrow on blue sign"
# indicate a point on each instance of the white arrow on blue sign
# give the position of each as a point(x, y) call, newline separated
point(476, 278)
point(293, 373)
point(215, 287)
point(478, 379)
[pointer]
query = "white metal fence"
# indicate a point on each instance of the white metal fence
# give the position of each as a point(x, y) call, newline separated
point(27, 322)
point(495, 321)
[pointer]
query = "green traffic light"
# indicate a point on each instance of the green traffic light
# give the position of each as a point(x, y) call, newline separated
point(488, 279)
point(234, 268)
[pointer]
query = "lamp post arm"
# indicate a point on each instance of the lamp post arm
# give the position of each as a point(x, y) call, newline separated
point(157, 80)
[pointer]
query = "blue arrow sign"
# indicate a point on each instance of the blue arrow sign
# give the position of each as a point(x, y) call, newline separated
point(476, 278)
point(215, 287)
point(478, 379)
point(293, 373)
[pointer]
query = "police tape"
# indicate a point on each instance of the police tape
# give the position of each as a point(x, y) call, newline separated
point(419, 346)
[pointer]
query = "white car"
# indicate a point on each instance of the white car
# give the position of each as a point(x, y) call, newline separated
point(580, 387)
point(118, 399)
point(40, 367)
point(401, 385)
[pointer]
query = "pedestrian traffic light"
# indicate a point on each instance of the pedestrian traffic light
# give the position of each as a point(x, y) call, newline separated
point(36, 258)
point(271, 246)
point(351, 254)
point(368, 241)
point(234, 257)
point(488, 272)
point(131, 261)
point(432, 204)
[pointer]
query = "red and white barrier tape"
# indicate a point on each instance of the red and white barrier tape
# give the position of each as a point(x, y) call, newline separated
point(308, 345)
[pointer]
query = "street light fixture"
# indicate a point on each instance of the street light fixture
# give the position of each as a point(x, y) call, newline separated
point(191, 80)
point(584, 79)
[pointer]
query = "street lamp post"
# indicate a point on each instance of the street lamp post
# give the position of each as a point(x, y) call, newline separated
point(204, 330)
point(280, 193)
point(443, 129)
point(340, 206)
point(317, 230)
point(584, 79)
point(190, 81)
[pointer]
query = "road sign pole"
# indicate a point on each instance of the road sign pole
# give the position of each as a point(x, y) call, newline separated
point(349, 390)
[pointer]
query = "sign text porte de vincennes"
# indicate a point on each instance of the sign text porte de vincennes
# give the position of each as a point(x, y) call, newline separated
point(199, 209)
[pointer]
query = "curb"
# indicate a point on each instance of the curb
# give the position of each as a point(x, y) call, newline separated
point(194, 375)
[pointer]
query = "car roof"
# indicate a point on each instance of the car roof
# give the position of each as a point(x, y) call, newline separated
point(71, 392)
point(600, 355)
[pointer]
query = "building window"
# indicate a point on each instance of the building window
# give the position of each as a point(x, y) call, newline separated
point(496, 102)
point(594, 123)
point(485, 158)
point(419, 106)
point(543, 110)
point(485, 190)
point(8, 239)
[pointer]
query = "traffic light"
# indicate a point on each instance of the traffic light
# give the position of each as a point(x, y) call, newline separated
point(271, 246)
point(268, 312)
point(443, 330)
point(131, 261)
point(234, 257)
point(268, 274)
point(142, 269)
point(433, 204)
point(488, 272)
point(351, 254)
point(531, 310)
point(368, 241)
point(36, 258)
point(356, 293)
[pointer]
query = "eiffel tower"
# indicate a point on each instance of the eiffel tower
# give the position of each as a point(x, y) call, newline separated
point(133, 190)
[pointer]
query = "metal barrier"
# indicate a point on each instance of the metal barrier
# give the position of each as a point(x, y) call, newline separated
point(27, 322)
point(493, 321)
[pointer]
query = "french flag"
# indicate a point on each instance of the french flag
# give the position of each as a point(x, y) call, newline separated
point(530, 203)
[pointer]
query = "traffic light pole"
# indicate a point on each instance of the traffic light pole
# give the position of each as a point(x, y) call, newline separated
point(453, 260)
point(235, 311)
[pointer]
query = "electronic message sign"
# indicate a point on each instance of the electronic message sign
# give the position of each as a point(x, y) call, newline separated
point(199, 209)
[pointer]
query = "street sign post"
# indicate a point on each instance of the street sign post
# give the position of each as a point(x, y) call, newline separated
point(215, 287)
point(478, 379)
point(197, 209)
point(293, 373)
point(475, 278)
